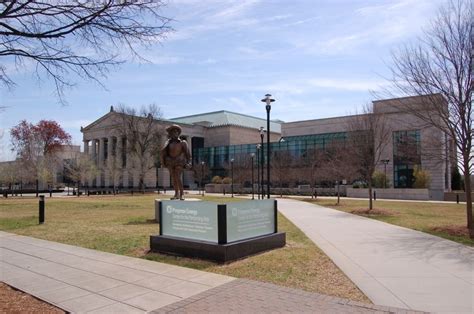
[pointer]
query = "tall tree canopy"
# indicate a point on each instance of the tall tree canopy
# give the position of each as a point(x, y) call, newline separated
point(442, 63)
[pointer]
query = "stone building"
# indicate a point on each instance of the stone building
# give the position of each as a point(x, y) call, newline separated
point(218, 137)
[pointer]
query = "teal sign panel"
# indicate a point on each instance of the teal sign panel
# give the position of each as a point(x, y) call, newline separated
point(250, 219)
point(192, 220)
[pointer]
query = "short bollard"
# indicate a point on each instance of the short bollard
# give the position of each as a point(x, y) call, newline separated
point(41, 210)
point(457, 198)
point(375, 196)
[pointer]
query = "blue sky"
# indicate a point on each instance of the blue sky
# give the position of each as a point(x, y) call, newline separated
point(317, 58)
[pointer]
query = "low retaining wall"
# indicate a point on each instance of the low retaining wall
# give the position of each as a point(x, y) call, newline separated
point(451, 196)
point(399, 194)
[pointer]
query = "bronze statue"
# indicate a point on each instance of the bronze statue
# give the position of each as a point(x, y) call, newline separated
point(175, 156)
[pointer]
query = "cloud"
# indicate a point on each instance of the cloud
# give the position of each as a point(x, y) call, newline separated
point(347, 85)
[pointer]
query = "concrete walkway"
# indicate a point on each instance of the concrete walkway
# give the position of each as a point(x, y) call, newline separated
point(393, 266)
point(80, 280)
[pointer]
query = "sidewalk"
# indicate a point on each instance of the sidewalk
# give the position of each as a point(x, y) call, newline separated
point(82, 280)
point(392, 265)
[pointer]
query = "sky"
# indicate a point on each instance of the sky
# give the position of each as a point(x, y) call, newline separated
point(318, 58)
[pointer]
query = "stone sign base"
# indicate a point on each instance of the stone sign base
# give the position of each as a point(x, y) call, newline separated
point(216, 252)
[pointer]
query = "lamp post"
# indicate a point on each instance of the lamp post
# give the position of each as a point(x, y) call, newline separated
point(385, 163)
point(262, 135)
point(202, 177)
point(232, 176)
point(258, 170)
point(268, 100)
point(280, 161)
point(252, 155)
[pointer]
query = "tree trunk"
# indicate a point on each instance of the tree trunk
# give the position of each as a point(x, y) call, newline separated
point(370, 196)
point(37, 187)
point(468, 191)
point(78, 189)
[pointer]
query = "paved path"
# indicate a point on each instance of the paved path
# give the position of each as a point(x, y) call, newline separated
point(82, 280)
point(393, 266)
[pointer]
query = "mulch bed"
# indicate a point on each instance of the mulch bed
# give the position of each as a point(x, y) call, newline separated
point(15, 301)
point(374, 212)
point(460, 231)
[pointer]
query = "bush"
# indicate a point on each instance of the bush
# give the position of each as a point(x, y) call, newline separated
point(216, 180)
point(378, 179)
point(227, 180)
point(422, 178)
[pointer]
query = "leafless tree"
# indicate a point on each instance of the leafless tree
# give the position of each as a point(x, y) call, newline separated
point(366, 140)
point(281, 161)
point(441, 65)
point(84, 38)
point(81, 169)
point(143, 132)
point(114, 168)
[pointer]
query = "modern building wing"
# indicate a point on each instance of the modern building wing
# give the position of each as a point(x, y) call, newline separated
point(217, 137)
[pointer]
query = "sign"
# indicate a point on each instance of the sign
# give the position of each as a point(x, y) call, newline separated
point(192, 220)
point(250, 219)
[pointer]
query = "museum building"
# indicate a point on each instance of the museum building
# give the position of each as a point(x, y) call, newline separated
point(217, 138)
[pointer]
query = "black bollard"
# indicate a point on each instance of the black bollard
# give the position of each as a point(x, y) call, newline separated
point(375, 196)
point(457, 198)
point(41, 210)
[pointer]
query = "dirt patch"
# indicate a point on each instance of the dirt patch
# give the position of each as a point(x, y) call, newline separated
point(15, 301)
point(459, 231)
point(374, 212)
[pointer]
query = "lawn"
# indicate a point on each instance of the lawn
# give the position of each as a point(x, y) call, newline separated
point(427, 217)
point(123, 224)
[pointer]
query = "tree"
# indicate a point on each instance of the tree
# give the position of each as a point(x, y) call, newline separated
point(280, 163)
point(366, 140)
point(441, 65)
point(143, 134)
point(81, 169)
point(37, 146)
point(84, 38)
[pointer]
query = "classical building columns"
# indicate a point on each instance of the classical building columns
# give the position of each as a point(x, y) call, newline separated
point(86, 147)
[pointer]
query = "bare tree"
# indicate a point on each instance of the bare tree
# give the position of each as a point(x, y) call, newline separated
point(114, 168)
point(84, 38)
point(280, 163)
point(81, 169)
point(143, 134)
point(441, 65)
point(367, 138)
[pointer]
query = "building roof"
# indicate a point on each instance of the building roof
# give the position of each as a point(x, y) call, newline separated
point(226, 118)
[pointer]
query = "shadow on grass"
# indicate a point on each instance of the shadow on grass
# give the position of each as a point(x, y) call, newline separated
point(141, 221)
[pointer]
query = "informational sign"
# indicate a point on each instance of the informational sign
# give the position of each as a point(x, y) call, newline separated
point(192, 220)
point(250, 219)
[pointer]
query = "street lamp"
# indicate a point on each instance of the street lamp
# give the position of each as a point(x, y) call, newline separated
point(385, 163)
point(232, 176)
point(202, 177)
point(280, 166)
point(258, 170)
point(268, 100)
point(262, 134)
point(252, 155)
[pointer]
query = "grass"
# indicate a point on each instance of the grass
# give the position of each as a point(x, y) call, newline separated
point(422, 216)
point(123, 224)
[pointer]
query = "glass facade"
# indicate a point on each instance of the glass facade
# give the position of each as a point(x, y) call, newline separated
point(406, 155)
point(218, 158)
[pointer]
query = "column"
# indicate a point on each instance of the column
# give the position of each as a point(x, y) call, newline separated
point(118, 155)
point(111, 165)
point(86, 147)
point(100, 164)
point(94, 160)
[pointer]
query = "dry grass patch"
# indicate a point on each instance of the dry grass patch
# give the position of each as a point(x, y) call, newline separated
point(374, 212)
point(123, 224)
